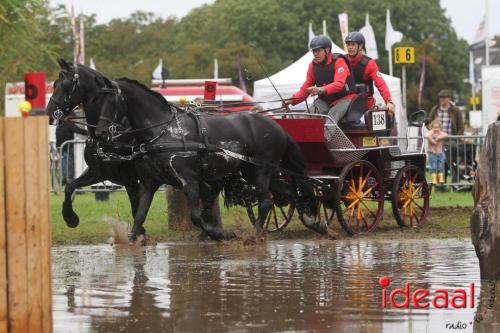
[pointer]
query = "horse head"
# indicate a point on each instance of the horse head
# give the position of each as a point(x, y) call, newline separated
point(112, 109)
point(73, 88)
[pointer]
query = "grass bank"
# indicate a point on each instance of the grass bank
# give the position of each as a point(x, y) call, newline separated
point(448, 217)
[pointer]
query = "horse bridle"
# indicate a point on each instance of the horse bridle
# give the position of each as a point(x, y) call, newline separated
point(117, 92)
point(64, 107)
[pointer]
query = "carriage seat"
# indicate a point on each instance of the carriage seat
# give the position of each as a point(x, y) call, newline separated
point(355, 111)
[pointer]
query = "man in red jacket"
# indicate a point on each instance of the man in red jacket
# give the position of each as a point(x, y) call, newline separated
point(329, 78)
point(365, 70)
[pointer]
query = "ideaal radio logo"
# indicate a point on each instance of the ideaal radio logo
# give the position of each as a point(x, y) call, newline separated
point(423, 298)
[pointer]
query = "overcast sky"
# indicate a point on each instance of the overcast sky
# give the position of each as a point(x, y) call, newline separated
point(466, 15)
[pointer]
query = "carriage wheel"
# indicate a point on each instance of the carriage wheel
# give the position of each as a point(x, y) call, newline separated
point(277, 218)
point(325, 207)
point(360, 202)
point(410, 197)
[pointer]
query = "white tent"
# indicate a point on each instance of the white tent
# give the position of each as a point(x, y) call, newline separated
point(290, 79)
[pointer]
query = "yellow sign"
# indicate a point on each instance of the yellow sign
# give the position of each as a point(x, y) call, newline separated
point(474, 100)
point(404, 55)
point(369, 141)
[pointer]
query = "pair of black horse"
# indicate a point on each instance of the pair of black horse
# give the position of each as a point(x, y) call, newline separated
point(196, 153)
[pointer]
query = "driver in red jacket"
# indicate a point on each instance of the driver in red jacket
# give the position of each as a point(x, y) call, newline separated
point(329, 78)
point(365, 70)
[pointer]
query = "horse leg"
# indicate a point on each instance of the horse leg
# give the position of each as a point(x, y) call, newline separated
point(88, 177)
point(263, 180)
point(132, 193)
point(145, 197)
point(192, 191)
point(210, 212)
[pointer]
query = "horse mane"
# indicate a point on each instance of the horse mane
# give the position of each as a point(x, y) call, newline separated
point(157, 95)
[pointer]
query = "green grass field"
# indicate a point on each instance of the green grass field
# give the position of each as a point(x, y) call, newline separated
point(448, 217)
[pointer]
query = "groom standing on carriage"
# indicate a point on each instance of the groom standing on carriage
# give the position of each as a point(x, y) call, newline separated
point(329, 78)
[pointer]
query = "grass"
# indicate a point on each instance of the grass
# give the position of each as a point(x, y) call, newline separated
point(448, 217)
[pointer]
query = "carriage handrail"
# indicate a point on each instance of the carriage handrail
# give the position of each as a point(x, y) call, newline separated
point(305, 114)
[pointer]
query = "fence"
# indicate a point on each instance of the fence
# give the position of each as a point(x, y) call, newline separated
point(462, 153)
point(25, 239)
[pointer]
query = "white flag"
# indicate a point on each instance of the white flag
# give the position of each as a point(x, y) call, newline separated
point(370, 43)
point(311, 33)
point(391, 36)
point(480, 33)
point(92, 64)
point(158, 70)
point(344, 27)
point(216, 69)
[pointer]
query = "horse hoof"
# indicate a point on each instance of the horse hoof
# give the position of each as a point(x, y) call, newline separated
point(72, 220)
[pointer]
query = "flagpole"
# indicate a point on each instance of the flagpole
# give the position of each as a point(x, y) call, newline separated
point(390, 61)
point(487, 35)
point(472, 80)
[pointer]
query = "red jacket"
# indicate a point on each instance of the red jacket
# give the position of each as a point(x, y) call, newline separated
point(372, 73)
point(341, 72)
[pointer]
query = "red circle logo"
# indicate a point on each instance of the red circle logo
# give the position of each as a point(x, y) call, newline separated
point(384, 281)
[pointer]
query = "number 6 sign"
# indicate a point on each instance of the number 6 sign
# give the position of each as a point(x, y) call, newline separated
point(404, 55)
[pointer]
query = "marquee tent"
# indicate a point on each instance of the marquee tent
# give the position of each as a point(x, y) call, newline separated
point(289, 80)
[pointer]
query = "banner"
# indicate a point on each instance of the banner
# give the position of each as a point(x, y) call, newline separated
point(157, 72)
point(370, 42)
point(391, 36)
point(344, 27)
point(311, 34)
point(34, 89)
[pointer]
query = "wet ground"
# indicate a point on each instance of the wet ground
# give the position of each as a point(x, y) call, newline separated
point(327, 286)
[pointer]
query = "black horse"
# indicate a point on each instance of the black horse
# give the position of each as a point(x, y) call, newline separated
point(70, 91)
point(200, 153)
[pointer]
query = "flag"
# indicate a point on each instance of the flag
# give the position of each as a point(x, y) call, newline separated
point(157, 72)
point(216, 69)
point(92, 64)
point(370, 43)
point(391, 36)
point(421, 83)
point(311, 33)
point(344, 27)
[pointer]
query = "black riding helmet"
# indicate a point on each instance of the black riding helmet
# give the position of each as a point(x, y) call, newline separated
point(356, 37)
point(320, 41)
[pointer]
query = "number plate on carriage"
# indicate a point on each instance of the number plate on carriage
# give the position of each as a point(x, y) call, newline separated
point(369, 141)
point(378, 120)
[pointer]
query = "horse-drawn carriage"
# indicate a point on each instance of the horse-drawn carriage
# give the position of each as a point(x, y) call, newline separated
point(357, 169)
point(295, 162)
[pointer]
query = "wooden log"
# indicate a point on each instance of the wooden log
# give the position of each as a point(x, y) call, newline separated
point(485, 231)
point(3, 255)
point(33, 236)
point(16, 225)
point(178, 211)
point(485, 222)
point(45, 226)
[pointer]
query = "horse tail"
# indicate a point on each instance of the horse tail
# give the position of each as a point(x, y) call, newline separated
point(293, 159)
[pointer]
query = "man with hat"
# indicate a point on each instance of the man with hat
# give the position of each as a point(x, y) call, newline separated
point(328, 77)
point(451, 122)
point(450, 116)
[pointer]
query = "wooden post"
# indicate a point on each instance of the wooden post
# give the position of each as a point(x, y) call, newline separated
point(178, 211)
point(485, 226)
point(25, 235)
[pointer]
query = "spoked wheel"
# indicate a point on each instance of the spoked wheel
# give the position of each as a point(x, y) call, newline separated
point(360, 202)
point(325, 207)
point(277, 218)
point(410, 197)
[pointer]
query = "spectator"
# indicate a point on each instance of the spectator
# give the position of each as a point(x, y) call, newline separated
point(65, 132)
point(436, 152)
point(452, 123)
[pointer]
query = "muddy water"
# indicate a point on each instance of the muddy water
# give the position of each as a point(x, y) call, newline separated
point(280, 286)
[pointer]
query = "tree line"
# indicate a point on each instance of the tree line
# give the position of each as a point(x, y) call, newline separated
point(265, 35)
